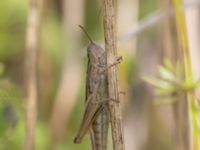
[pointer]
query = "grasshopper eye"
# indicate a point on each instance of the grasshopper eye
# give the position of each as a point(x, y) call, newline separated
point(99, 59)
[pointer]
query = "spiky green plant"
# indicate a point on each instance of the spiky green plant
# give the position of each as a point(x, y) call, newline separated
point(193, 105)
point(172, 84)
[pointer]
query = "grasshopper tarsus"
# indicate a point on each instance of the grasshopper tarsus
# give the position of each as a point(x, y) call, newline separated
point(119, 58)
point(77, 140)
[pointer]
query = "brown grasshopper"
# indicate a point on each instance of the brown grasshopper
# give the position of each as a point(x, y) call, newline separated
point(95, 118)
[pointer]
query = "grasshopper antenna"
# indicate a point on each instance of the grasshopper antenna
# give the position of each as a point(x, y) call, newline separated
point(86, 33)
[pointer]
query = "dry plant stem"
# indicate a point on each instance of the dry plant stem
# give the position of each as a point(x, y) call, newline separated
point(111, 50)
point(30, 74)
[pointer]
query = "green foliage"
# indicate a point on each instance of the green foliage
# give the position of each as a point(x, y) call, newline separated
point(94, 15)
point(9, 93)
point(12, 27)
point(147, 7)
point(12, 123)
point(11, 118)
point(52, 39)
point(2, 68)
point(171, 83)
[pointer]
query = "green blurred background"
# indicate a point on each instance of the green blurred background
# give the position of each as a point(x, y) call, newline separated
point(61, 74)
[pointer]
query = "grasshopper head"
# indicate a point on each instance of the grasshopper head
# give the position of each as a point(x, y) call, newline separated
point(95, 53)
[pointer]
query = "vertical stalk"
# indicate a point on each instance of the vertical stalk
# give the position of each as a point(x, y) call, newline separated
point(111, 51)
point(194, 138)
point(30, 74)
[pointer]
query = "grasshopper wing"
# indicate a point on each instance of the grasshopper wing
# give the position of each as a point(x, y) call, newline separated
point(91, 112)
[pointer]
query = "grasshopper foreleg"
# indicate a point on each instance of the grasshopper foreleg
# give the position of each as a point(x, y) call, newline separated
point(117, 61)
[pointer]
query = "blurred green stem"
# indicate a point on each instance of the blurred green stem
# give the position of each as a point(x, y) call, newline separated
point(191, 99)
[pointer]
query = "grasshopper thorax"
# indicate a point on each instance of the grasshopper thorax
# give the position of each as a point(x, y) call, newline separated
point(96, 53)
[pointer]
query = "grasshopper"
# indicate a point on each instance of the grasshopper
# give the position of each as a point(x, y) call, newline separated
point(95, 118)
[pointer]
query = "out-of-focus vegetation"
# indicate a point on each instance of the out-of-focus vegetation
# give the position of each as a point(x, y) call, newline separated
point(62, 61)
